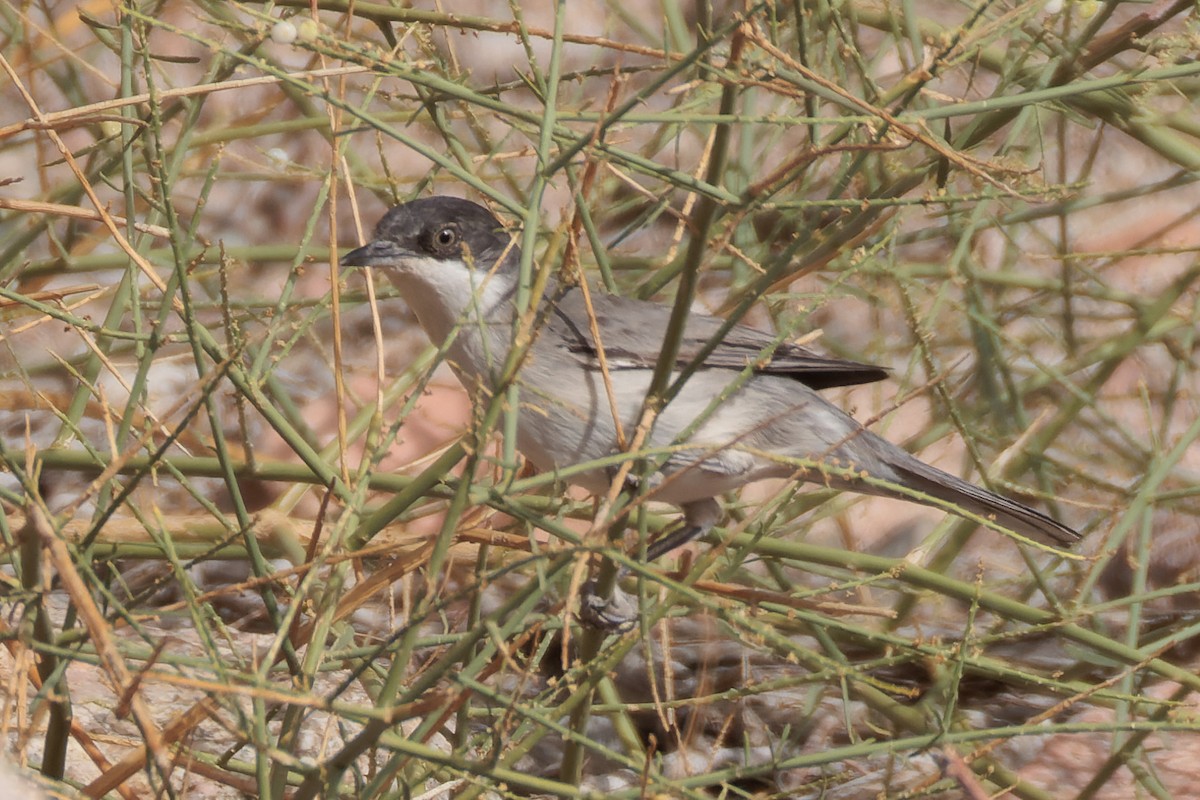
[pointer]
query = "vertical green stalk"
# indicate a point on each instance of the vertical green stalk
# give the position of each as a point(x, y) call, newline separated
point(36, 627)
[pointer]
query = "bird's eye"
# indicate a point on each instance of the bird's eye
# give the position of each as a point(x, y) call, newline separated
point(442, 241)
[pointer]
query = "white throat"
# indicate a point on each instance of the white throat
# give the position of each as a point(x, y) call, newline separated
point(452, 300)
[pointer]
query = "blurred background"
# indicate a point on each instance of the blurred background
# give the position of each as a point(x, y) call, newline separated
point(255, 542)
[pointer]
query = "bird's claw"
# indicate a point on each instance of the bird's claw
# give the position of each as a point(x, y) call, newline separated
point(617, 613)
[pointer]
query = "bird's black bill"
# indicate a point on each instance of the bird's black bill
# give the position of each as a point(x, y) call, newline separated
point(373, 254)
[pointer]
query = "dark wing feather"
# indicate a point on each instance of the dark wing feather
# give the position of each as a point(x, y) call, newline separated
point(632, 332)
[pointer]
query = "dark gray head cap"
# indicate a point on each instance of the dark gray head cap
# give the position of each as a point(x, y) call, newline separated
point(447, 228)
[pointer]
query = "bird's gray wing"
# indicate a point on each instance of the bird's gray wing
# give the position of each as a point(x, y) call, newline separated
point(632, 333)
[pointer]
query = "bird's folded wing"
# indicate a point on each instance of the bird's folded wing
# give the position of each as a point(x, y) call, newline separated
point(632, 333)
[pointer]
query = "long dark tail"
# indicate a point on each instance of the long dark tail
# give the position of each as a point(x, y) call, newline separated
point(945, 487)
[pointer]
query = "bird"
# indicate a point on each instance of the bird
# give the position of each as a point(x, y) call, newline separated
point(749, 409)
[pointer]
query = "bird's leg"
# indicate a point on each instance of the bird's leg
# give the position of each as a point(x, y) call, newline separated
point(610, 608)
point(699, 516)
point(630, 484)
point(618, 613)
point(698, 519)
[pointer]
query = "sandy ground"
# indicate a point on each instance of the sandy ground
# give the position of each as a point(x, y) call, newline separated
point(264, 193)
